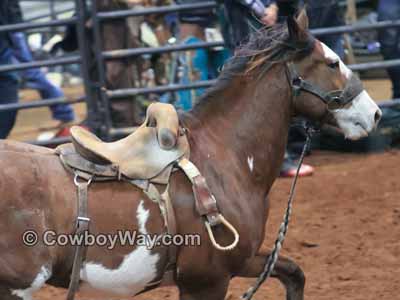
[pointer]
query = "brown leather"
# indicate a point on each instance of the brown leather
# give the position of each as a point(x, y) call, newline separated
point(82, 226)
point(164, 117)
point(146, 152)
point(206, 205)
point(74, 161)
point(171, 227)
point(85, 169)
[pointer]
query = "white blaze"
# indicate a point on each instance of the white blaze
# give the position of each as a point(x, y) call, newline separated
point(331, 55)
point(359, 117)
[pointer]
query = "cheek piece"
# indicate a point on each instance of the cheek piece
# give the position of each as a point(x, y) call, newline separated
point(333, 99)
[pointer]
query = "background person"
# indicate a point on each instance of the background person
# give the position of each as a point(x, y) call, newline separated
point(36, 79)
point(246, 16)
point(327, 13)
point(13, 47)
point(389, 39)
point(10, 13)
point(196, 26)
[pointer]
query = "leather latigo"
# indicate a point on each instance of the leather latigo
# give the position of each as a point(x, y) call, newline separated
point(206, 205)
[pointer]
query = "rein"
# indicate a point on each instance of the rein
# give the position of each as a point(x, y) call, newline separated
point(273, 257)
point(297, 84)
point(334, 100)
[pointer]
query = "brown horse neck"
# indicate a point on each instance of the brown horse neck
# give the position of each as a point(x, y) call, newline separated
point(250, 118)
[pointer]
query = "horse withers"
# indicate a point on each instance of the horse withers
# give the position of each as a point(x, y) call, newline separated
point(237, 134)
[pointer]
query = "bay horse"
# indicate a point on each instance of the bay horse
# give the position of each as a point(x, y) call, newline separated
point(237, 134)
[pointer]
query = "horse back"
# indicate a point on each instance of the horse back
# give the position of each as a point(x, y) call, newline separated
point(37, 193)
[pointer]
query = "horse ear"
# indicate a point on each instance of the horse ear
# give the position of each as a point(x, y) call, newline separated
point(293, 29)
point(302, 20)
point(298, 27)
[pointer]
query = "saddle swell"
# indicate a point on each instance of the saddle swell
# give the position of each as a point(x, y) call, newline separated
point(145, 153)
point(165, 118)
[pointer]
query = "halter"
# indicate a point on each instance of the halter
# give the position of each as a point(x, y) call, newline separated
point(333, 99)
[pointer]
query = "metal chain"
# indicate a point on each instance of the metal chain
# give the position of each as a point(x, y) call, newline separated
point(273, 258)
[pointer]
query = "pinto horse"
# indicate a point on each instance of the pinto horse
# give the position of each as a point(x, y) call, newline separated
point(237, 134)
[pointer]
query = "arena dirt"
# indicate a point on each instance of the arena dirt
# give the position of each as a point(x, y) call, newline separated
point(345, 231)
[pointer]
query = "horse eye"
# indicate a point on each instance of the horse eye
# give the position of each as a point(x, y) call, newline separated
point(334, 65)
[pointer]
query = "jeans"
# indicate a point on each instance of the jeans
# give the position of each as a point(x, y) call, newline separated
point(326, 14)
point(9, 94)
point(36, 80)
point(389, 39)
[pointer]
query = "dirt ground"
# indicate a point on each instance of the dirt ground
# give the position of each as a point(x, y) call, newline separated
point(345, 231)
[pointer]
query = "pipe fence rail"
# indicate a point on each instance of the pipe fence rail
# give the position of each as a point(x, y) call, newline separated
point(41, 103)
point(96, 97)
point(33, 25)
point(50, 15)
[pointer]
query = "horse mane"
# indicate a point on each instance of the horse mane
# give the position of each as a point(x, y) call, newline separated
point(265, 48)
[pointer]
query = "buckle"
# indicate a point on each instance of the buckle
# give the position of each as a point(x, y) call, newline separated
point(84, 219)
point(77, 183)
point(335, 102)
point(297, 86)
point(214, 219)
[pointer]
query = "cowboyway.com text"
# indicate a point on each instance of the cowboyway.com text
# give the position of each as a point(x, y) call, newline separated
point(31, 238)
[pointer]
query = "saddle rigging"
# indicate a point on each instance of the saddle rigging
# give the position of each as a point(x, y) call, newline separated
point(145, 158)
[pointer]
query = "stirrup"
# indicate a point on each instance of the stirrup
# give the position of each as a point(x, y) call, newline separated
point(227, 225)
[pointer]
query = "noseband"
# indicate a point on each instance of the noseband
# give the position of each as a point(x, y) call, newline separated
point(333, 99)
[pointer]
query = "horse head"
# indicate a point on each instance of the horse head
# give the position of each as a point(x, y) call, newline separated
point(325, 89)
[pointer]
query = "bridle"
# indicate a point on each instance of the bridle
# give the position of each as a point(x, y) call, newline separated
point(333, 99)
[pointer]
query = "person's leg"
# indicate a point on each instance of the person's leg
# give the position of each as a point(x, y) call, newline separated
point(334, 17)
point(335, 42)
point(389, 39)
point(37, 80)
point(9, 94)
point(328, 15)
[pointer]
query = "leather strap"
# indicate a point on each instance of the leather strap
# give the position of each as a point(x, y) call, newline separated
point(205, 202)
point(168, 214)
point(334, 99)
point(206, 205)
point(82, 225)
point(171, 228)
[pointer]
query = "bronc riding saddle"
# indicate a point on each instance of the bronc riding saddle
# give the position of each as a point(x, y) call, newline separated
point(145, 158)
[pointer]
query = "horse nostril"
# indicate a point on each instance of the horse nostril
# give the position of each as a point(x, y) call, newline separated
point(378, 115)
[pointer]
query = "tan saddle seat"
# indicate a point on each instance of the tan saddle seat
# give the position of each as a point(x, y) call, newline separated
point(145, 153)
